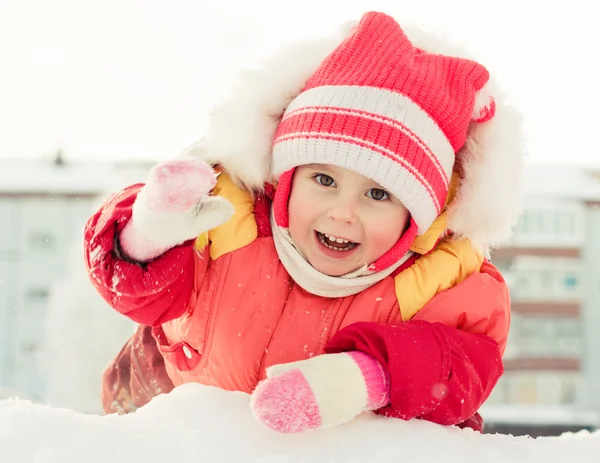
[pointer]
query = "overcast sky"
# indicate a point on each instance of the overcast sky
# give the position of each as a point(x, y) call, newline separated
point(134, 78)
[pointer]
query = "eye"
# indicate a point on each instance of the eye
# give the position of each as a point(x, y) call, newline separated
point(378, 194)
point(325, 180)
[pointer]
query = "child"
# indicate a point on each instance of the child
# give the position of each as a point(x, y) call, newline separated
point(325, 254)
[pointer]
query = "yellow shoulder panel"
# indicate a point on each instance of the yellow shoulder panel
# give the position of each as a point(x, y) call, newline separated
point(238, 231)
point(448, 264)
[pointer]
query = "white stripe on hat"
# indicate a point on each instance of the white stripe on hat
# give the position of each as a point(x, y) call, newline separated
point(417, 196)
point(390, 122)
point(385, 103)
point(360, 141)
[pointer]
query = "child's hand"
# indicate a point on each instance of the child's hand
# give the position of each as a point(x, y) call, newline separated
point(320, 392)
point(174, 206)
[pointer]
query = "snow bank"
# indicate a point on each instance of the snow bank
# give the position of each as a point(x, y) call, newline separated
point(201, 424)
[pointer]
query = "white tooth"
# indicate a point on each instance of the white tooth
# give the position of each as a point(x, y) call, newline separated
point(341, 241)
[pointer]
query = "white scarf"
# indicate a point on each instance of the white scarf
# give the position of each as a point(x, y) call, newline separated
point(317, 283)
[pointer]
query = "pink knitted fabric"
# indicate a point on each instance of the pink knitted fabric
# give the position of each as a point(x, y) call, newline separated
point(174, 187)
point(287, 403)
point(376, 380)
point(135, 246)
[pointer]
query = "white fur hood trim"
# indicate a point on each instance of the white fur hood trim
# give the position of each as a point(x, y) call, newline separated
point(241, 130)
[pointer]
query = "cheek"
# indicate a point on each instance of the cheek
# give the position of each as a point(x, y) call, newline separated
point(383, 238)
point(300, 218)
point(385, 231)
point(297, 223)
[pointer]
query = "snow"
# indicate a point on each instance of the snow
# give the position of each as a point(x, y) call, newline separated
point(82, 336)
point(197, 423)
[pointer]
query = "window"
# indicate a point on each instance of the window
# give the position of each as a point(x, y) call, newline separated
point(522, 283)
point(499, 395)
point(36, 294)
point(566, 224)
point(570, 390)
point(546, 279)
point(570, 281)
point(41, 240)
point(538, 388)
point(548, 388)
point(535, 336)
point(553, 222)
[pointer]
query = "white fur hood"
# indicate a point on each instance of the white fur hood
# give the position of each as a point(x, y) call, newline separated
point(241, 130)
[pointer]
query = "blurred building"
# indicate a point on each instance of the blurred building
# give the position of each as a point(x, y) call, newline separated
point(43, 206)
point(551, 379)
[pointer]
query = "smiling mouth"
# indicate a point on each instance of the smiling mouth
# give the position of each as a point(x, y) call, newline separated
point(334, 243)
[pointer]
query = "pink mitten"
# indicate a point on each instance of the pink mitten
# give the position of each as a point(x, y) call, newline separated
point(320, 392)
point(174, 206)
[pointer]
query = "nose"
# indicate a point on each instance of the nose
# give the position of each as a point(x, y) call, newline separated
point(344, 210)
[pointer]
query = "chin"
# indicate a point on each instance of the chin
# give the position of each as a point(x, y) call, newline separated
point(332, 271)
point(335, 274)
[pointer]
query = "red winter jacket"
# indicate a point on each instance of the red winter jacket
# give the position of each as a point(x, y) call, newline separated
point(224, 309)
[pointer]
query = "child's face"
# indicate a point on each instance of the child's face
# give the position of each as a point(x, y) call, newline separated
point(328, 201)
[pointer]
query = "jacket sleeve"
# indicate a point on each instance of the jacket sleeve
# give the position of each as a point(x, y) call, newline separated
point(150, 293)
point(444, 363)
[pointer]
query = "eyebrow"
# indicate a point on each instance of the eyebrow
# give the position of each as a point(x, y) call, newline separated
point(324, 168)
point(335, 170)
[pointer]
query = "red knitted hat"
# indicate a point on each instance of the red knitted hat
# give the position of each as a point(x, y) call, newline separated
point(389, 111)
